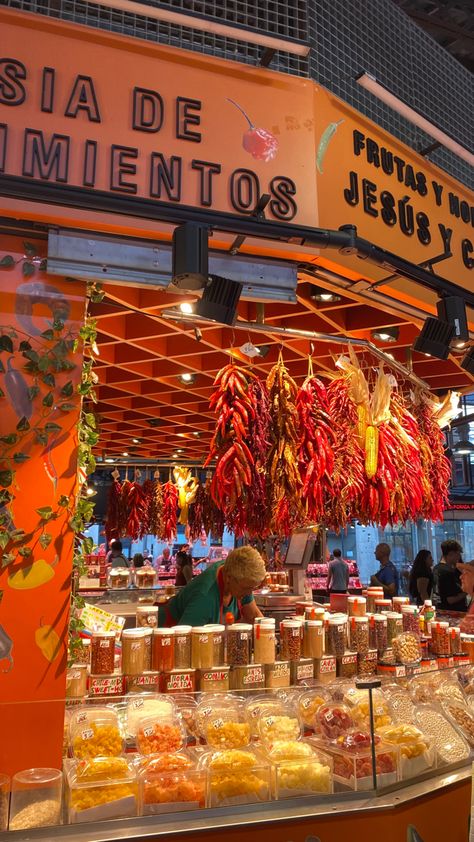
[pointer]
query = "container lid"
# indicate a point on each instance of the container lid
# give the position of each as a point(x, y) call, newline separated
point(214, 627)
point(181, 629)
point(409, 609)
point(338, 621)
point(241, 627)
point(148, 632)
point(428, 602)
point(383, 601)
point(379, 618)
point(394, 615)
point(469, 637)
point(147, 609)
point(356, 599)
point(290, 624)
point(198, 629)
point(314, 623)
point(133, 633)
point(106, 633)
point(374, 590)
point(455, 630)
point(359, 620)
point(161, 631)
point(266, 621)
point(440, 625)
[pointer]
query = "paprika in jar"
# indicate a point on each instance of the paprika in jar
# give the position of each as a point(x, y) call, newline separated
point(182, 647)
point(102, 653)
point(290, 640)
point(163, 650)
point(133, 652)
point(313, 639)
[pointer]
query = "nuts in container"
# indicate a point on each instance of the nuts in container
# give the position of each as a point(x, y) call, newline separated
point(451, 747)
point(406, 648)
point(239, 642)
point(291, 638)
point(359, 634)
point(336, 635)
point(464, 719)
point(394, 626)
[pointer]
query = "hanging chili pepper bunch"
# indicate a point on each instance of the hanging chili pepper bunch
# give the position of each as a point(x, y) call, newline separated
point(153, 507)
point(284, 482)
point(348, 476)
point(196, 513)
point(137, 511)
point(410, 485)
point(233, 475)
point(258, 443)
point(116, 519)
point(315, 451)
point(170, 513)
point(380, 465)
point(435, 463)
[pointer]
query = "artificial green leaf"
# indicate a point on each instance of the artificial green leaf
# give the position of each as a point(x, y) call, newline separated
point(24, 345)
point(4, 540)
point(19, 458)
point(6, 344)
point(17, 536)
point(44, 363)
point(67, 407)
point(2, 393)
point(31, 355)
point(7, 261)
point(58, 324)
point(51, 427)
point(30, 249)
point(6, 497)
point(48, 399)
point(49, 380)
point(41, 437)
point(48, 334)
point(68, 389)
point(25, 551)
point(45, 540)
point(11, 438)
point(8, 558)
point(6, 478)
point(23, 425)
point(33, 392)
point(87, 546)
point(63, 501)
point(28, 269)
point(45, 512)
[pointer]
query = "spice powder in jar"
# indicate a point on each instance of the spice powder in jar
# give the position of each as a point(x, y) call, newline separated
point(102, 653)
point(336, 637)
point(264, 643)
point(202, 648)
point(182, 646)
point(133, 652)
point(163, 650)
point(356, 606)
point(218, 643)
point(313, 639)
point(239, 644)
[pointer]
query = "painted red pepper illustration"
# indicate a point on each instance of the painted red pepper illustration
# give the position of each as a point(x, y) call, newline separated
point(17, 390)
point(260, 143)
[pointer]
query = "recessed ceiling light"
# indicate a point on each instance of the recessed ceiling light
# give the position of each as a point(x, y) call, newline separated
point(175, 455)
point(196, 433)
point(386, 334)
point(90, 491)
point(179, 451)
point(321, 294)
point(181, 435)
point(110, 461)
point(187, 378)
point(124, 453)
point(136, 441)
point(186, 307)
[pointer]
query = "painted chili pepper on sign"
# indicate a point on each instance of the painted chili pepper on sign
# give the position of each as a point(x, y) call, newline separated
point(326, 137)
point(260, 143)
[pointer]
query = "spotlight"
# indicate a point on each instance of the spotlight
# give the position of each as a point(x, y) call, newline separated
point(196, 433)
point(190, 256)
point(219, 300)
point(186, 307)
point(110, 461)
point(463, 448)
point(90, 491)
point(467, 362)
point(386, 334)
point(187, 378)
point(136, 441)
point(197, 334)
point(435, 338)
point(125, 453)
point(452, 309)
point(324, 295)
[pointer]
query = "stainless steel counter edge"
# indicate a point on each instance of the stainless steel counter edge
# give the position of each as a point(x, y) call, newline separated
point(157, 827)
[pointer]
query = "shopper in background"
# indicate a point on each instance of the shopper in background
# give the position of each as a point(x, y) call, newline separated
point(338, 574)
point(467, 583)
point(115, 556)
point(138, 560)
point(164, 560)
point(450, 550)
point(222, 594)
point(451, 595)
point(420, 583)
point(184, 568)
point(387, 576)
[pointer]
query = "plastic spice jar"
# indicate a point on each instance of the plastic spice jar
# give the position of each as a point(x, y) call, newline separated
point(314, 612)
point(440, 642)
point(163, 650)
point(467, 645)
point(356, 606)
point(290, 640)
point(202, 648)
point(455, 640)
point(372, 595)
point(313, 639)
point(394, 626)
point(336, 635)
point(411, 620)
point(147, 615)
point(380, 632)
point(102, 653)
point(148, 637)
point(76, 681)
point(218, 642)
point(133, 652)
point(182, 647)
point(264, 643)
point(359, 634)
point(382, 605)
point(239, 643)
point(398, 601)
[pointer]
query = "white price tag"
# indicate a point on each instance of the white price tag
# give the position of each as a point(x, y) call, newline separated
point(148, 732)
point(218, 723)
point(87, 733)
point(137, 703)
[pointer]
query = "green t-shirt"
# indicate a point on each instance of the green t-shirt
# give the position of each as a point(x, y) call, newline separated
point(199, 602)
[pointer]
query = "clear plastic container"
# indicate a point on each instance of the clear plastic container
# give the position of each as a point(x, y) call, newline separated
point(102, 788)
point(356, 606)
point(276, 726)
point(314, 612)
point(367, 663)
point(148, 638)
point(359, 634)
point(182, 646)
point(313, 639)
point(394, 626)
point(239, 643)
point(143, 706)
point(98, 736)
point(382, 605)
point(463, 718)
point(218, 642)
point(159, 735)
point(171, 783)
point(4, 801)
point(215, 680)
point(145, 577)
point(264, 643)
point(147, 615)
point(406, 648)
point(380, 706)
point(353, 762)
point(254, 707)
point(417, 753)
point(277, 674)
point(202, 648)
point(380, 622)
point(237, 776)
point(133, 652)
point(309, 703)
point(102, 653)
point(371, 596)
point(336, 635)
point(440, 642)
point(163, 649)
point(398, 601)
point(455, 640)
point(333, 721)
point(467, 645)
point(226, 727)
point(299, 769)
point(451, 747)
point(76, 681)
point(291, 639)
point(119, 577)
point(411, 620)
point(36, 799)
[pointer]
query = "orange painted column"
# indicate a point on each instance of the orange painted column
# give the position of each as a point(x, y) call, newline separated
point(40, 368)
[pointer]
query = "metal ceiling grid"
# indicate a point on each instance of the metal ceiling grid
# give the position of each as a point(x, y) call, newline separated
point(142, 355)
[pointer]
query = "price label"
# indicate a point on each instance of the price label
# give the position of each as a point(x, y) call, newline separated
point(166, 641)
point(243, 636)
point(148, 732)
point(137, 703)
point(305, 704)
point(81, 717)
point(206, 711)
point(135, 646)
point(218, 723)
point(104, 644)
point(87, 733)
point(270, 721)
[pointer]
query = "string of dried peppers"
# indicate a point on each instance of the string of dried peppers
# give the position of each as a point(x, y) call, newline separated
point(315, 451)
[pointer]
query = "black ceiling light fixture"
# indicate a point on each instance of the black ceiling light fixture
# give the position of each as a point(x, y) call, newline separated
point(435, 338)
point(452, 309)
point(467, 362)
point(219, 300)
point(386, 334)
point(190, 256)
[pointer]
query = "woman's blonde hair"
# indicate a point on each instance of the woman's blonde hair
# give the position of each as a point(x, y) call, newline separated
point(245, 564)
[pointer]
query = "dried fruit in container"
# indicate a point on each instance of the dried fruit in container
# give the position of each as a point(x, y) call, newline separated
point(157, 734)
